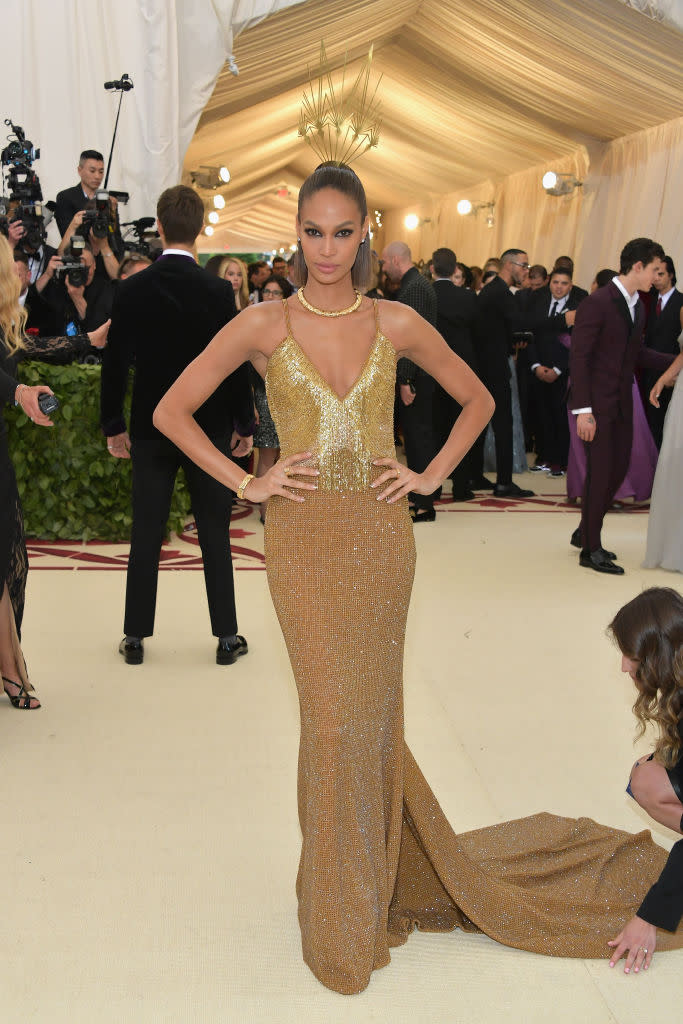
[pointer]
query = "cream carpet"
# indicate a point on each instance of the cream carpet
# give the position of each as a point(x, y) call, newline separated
point(149, 834)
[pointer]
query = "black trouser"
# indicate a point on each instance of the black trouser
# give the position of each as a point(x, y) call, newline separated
point(417, 425)
point(446, 412)
point(553, 445)
point(155, 466)
point(501, 422)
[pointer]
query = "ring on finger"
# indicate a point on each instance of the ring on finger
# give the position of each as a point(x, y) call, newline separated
point(287, 471)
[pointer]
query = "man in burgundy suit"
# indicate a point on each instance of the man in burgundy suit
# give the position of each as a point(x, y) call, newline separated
point(607, 345)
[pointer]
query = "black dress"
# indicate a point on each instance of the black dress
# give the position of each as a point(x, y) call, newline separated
point(13, 557)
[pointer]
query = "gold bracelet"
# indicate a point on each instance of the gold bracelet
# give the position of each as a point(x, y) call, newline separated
point(245, 483)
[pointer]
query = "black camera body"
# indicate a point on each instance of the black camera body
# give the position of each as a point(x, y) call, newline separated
point(100, 221)
point(71, 265)
point(25, 198)
point(48, 403)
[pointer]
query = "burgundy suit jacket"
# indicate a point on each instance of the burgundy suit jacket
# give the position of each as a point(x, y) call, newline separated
point(606, 348)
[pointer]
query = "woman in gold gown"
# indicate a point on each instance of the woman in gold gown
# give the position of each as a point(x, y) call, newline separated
point(378, 856)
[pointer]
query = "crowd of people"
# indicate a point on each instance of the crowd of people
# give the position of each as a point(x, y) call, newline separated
point(455, 350)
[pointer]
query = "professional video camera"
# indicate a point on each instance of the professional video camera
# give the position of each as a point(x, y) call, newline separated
point(76, 272)
point(144, 241)
point(25, 200)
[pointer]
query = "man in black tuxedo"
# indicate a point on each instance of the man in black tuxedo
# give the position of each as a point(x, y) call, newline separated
point(664, 325)
point(551, 320)
point(498, 319)
point(415, 387)
point(576, 293)
point(162, 319)
point(456, 310)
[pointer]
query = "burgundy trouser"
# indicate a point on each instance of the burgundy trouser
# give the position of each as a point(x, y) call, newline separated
point(607, 459)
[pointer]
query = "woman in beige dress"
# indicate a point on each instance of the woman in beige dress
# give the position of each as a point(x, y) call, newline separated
point(378, 856)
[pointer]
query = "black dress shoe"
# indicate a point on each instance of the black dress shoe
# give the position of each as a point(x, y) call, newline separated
point(463, 495)
point(132, 649)
point(575, 542)
point(597, 561)
point(423, 515)
point(511, 491)
point(480, 483)
point(229, 649)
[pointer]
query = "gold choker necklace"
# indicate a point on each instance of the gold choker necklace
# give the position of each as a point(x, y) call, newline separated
point(329, 312)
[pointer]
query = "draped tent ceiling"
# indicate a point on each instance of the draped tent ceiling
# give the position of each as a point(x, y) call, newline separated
point(471, 93)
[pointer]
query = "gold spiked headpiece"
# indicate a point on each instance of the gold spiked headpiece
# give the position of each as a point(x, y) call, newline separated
point(340, 123)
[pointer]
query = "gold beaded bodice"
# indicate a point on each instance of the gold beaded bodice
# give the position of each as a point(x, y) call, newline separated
point(345, 434)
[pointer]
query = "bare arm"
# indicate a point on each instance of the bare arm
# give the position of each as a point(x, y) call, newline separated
point(668, 378)
point(174, 415)
point(418, 341)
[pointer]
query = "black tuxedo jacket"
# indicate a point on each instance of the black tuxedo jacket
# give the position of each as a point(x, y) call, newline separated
point(546, 348)
point(606, 348)
point(67, 204)
point(456, 311)
point(661, 333)
point(499, 315)
point(162, 318)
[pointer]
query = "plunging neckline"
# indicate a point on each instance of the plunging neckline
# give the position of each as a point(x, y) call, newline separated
point(318, 374)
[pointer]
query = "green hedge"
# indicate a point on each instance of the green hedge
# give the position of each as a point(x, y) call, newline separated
point(71, 488)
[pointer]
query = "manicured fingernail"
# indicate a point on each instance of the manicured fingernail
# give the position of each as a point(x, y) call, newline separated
point(627, 970)
point(611, 963)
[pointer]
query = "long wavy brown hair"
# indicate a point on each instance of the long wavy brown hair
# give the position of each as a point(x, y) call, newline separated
point(12, 316)
point(649, 630)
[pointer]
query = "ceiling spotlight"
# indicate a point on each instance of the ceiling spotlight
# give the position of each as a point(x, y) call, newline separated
point(219, 202)
point(210, 177)
point(293, 247)
point(273, 252)
point(213, 217)
point(378, 218)
point(208, 230)
point(560, 184)
point(411, 221)
point(466, 208)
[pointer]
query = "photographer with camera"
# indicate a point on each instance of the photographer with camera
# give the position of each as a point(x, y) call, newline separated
point(88, 210)
point(16, 346)
point(81, 301)
point(22, 219)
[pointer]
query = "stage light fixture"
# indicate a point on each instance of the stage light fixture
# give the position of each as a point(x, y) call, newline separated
point(210, 178)
point(466, 208)
point(556, 184)
point(208, 230)
point(219, 202)
point(213, 217)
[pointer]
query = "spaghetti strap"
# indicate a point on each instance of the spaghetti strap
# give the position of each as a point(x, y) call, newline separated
point(378, 326)
point(289, 326)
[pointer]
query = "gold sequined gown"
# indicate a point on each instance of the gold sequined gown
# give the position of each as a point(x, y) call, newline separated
point(378, 856)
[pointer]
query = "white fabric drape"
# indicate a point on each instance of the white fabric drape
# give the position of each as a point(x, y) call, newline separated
point(58, 53)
